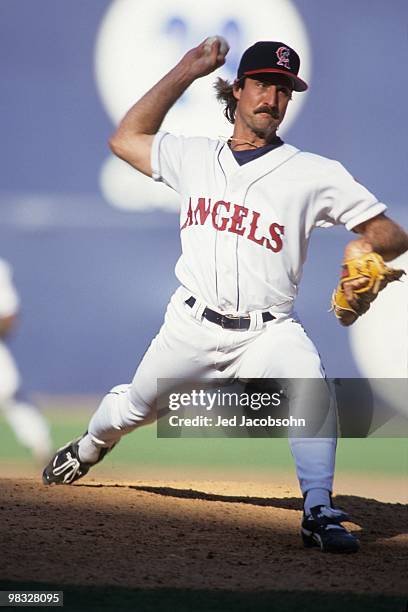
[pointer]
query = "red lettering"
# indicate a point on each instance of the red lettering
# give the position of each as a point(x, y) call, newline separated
point(189, 219)
point(240, 212)
point(202, 210)
point(254, 227)
point(224, 220)
point(276, 232)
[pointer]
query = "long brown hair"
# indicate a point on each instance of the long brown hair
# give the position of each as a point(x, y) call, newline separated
point(224, 93)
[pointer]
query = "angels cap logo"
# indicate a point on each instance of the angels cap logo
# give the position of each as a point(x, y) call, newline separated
point(283, 54)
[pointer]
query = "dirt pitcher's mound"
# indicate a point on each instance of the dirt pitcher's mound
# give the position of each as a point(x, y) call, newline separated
point(194, 535)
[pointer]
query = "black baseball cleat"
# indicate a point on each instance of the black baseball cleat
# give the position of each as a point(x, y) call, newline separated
point(66, 467)
point(323, 528)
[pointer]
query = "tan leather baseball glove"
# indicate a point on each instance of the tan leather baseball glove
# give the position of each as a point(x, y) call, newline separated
point(361, 281)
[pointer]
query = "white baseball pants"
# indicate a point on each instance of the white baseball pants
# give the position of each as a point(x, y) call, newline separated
point(190, 347)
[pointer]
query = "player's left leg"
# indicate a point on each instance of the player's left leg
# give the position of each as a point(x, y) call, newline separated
point(285, 352)
point(183, 349)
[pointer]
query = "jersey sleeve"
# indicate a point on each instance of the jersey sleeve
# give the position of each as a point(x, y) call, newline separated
point(341, 200)
point(9, 302)
point(166, 159)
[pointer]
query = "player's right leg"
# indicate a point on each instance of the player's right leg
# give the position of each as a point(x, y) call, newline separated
point(183, 349)
point(285, 353)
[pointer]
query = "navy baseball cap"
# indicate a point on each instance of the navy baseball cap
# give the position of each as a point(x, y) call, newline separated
point(271, 56)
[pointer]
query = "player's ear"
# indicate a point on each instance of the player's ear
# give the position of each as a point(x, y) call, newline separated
point(237, 87)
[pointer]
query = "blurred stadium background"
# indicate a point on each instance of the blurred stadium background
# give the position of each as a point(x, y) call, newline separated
point(93, 252)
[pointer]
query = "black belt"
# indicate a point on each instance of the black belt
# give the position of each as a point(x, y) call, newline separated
point(228, 321)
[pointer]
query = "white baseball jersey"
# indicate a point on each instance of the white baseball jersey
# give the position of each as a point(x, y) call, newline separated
point(245, 229)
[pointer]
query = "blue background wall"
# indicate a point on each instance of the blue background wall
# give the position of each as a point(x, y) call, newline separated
point(94, 281)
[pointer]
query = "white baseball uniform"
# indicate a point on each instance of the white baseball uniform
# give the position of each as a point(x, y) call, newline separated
point(28, 424)
point(244, 233)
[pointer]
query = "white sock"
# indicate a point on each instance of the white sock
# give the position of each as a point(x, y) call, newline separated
point(317, 497)
point(89, 449)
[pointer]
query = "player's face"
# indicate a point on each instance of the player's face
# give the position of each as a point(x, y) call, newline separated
point(261, 107)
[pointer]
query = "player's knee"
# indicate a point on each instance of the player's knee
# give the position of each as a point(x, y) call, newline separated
point(304, 364)
point(307, 366)
point(129, 411)
point(140, 408)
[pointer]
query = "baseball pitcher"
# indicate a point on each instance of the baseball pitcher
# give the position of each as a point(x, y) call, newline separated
point(248, 206)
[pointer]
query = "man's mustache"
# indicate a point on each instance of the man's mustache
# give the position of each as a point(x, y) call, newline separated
point(270, 110)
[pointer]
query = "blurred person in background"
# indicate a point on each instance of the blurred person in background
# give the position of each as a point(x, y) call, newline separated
point(27, 423)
